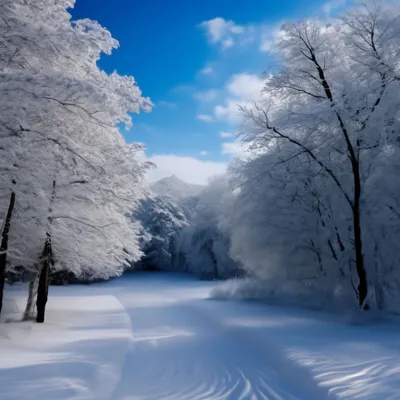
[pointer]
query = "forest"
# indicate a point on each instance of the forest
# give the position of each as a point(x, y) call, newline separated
point(311, 212)
point(313, 209)
point(109, 279)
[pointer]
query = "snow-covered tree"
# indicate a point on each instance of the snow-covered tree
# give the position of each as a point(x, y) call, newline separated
point(188, 230)
point(324, 142)
point(75, 180)
point(205, 243)
point(162, 222)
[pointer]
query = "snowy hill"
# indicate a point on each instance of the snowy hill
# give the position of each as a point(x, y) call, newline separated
point(175, 188)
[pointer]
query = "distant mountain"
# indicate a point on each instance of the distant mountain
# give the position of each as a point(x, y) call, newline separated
point(175, 188)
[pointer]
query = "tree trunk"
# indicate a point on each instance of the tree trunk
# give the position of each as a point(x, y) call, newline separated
point(209, 247)
point(355, 205)
point(46, 261)
point(4, 246)
point(43, 288)
point(31, 297)
point(360, 267)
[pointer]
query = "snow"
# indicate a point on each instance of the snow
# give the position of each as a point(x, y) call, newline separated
point(161, 336)
point(76, 354)
point(175, 188)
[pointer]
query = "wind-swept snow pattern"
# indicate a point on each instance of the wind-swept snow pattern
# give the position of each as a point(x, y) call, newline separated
point(173, 342)
point(76, 354)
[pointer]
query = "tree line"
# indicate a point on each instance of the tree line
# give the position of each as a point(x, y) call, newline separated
point(313, 208)
point(318, 195)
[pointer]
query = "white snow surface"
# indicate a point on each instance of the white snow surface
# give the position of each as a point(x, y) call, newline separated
point(161, 336)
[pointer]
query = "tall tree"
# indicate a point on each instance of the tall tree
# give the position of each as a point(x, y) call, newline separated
point(331, 106)
point(4, 245)
point(60, 115)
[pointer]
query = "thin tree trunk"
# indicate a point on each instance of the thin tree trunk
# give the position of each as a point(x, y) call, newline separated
point(46, 261)
point(43, 288)
point(378, 286)
point(31, 297)
point(4, 246)
point(318, 254)
point(210, 250)
point(355, 204)
point(361, 272)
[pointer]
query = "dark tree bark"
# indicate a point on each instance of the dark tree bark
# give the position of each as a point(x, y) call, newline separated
point(43, 288)
point(46, 261)
point(209, 249)
point(353, 153)
point(355, 204)
point(360, 267)
point(4, 246)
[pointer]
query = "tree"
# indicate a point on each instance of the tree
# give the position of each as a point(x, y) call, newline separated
point(60, 114)
point(4, 245)
point(162, 223)
point(205, 243)
point(331, 106)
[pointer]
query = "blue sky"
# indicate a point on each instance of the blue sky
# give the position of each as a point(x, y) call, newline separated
point(196, 60)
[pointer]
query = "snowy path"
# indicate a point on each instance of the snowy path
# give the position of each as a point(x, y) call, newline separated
point(167, 340)
point(183, 349)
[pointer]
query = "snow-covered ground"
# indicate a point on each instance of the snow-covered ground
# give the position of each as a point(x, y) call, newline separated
point(160, 336)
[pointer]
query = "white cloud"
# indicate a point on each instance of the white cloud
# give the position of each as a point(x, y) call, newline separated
point(226, 135)
point(189, 169)
point(236, 149)
point(221, 31)
point(168, 104)
point(207, 96)
point(227, 43)
point(229, 111)
point(241, 89)
point(270, 35)
point(332, 5)
point(232, 148)
point(203, 153)
point(246, 86)
point(206, 70)
point(227, 33)
point(204, 117)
